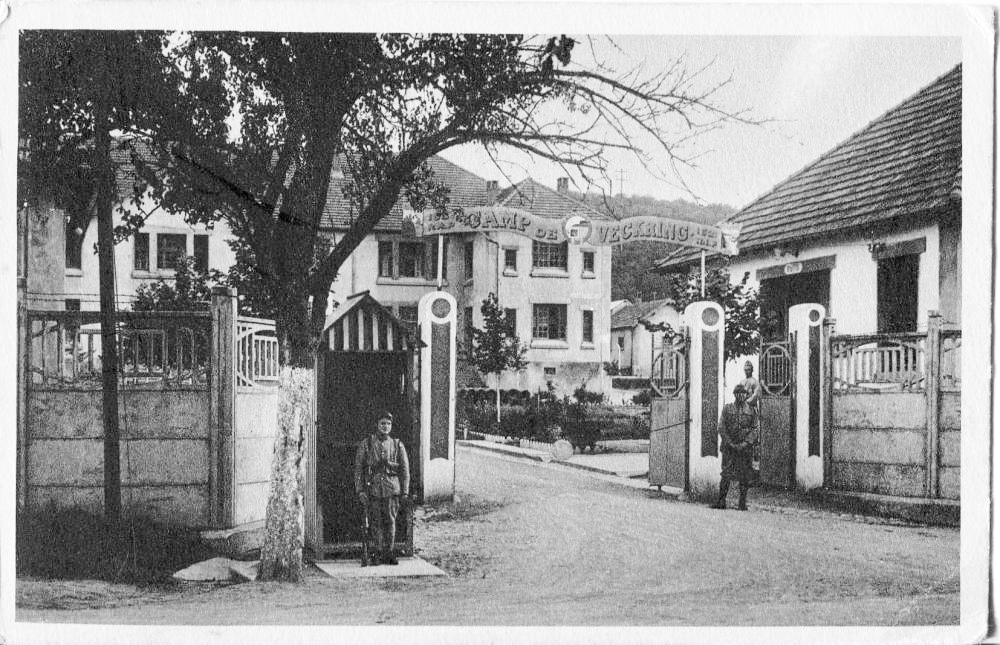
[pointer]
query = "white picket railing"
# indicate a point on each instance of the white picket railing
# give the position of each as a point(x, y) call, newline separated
point(256, 352)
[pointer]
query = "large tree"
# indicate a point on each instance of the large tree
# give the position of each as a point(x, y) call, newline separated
point(381, 105)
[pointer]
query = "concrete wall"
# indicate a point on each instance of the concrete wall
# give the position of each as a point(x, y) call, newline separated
point(950, 444)
point(164, 451)
point(256, 410)
point(878, 443)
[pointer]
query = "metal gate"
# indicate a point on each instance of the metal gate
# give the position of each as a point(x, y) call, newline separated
point(669, 419)
point(777, 413)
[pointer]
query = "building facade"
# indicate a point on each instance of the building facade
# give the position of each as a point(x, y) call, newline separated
point(558, 294)
point(632, 342)
point(872, 230)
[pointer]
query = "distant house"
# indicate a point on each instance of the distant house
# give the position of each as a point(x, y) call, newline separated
point(872, 229)
point(559, 294)
point(632, 342)
point(60, 249)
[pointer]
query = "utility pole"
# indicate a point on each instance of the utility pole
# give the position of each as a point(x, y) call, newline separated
point(105, 180)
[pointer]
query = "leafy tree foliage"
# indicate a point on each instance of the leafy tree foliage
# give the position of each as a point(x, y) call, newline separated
point(496, 347)
point(378, 106)
point(739, 301)
point(188, 290)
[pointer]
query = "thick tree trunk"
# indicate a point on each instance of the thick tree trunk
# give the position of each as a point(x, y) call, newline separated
point(284, 523)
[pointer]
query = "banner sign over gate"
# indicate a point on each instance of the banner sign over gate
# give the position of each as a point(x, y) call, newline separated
point(575, 228)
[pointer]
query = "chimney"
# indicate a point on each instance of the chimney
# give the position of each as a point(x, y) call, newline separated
point(562, 185)
point(492, 191)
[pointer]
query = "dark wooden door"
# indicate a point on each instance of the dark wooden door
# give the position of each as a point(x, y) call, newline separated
point(354, 388)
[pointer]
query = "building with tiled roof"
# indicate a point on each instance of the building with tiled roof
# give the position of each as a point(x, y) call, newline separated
point(903, 167)
point(872, 229)
point(559, 294)
point(632, 343)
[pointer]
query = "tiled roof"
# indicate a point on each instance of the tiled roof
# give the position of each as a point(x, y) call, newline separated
point(906, 163)
point(543, 201)
point(630, 315)
point(465, 189)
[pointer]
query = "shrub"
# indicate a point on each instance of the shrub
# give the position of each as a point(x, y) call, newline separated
point(75, 543)
point(516, 421)
point(582, 395)
point(580, 426)
point(629, 382)
point(643, 398)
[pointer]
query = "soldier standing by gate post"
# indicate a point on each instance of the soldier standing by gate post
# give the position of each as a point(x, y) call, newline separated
point(382, 480)
point(736, 428)
point(752, 388)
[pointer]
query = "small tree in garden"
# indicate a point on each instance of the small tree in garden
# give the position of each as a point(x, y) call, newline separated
point(496, 347)
point(188, 290)
point(739, 301)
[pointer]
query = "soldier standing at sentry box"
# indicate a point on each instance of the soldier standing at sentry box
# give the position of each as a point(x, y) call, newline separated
point(381, 478)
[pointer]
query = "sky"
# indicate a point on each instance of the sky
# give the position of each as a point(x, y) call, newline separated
point(812, 93)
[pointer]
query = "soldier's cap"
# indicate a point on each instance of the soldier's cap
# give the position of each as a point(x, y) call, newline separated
point(385, 415)
point(748, 364)
point(739, 388)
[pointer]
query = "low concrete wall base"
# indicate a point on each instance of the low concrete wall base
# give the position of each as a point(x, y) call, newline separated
point(237, 541)
point(944, 512)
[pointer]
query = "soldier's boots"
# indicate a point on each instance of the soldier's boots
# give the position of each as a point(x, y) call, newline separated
point(743, 498)
point(389, 558)
point(723, 492)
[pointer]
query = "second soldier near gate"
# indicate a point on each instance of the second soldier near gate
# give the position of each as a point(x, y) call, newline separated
point(381, 480)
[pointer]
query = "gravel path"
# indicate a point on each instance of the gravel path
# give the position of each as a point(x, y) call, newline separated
point(528, 544)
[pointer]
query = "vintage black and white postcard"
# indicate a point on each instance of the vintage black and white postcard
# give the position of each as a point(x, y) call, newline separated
point(496, 322)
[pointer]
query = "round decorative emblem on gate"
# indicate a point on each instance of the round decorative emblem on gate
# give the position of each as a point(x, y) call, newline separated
point(710, 316)
point(813, 315)
point(441, 308)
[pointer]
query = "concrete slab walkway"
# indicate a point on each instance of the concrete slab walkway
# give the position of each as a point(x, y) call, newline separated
point(407, 568)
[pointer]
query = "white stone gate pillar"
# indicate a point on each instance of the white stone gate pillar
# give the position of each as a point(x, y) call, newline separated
point(805, 324)
point(706, 322)
point(437, 316)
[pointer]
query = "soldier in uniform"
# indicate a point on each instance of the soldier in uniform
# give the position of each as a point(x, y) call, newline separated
point(736, 427)
point(752, 387)
point(381, 479)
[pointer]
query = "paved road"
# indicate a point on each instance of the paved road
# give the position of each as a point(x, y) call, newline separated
point(532, 544)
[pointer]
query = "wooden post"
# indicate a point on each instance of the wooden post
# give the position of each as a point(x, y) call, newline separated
point(829, 324)
point(313, 529)
point(221, 442)
point(105, 181)
point(932, 392)
point(702, 274)
point(22, 394)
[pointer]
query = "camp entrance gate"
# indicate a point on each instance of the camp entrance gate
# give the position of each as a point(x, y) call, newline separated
point(686, 380)
point(366, 364)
